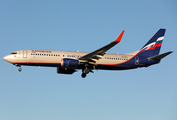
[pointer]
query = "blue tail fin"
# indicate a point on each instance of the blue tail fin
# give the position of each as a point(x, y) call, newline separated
point(152, 47)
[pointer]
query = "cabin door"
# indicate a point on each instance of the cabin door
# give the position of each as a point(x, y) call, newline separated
point(136, 60)
point(24, 53)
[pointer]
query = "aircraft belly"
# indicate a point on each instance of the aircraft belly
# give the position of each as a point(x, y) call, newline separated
point(39, 61)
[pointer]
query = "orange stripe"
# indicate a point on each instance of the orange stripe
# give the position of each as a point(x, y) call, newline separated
point(35, 63)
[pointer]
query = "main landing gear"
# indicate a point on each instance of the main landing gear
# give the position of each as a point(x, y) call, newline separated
point(84, 75)
point(85, 72)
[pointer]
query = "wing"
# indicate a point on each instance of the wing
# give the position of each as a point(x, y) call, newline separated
point(98, 54)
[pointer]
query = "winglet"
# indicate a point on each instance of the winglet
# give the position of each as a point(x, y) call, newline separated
point(119, 38)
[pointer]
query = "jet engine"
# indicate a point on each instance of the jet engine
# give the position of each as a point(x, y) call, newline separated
point(61, 70)
point(69, 62)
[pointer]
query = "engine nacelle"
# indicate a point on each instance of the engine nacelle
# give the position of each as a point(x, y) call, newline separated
point(65, 70)
point(69, 62)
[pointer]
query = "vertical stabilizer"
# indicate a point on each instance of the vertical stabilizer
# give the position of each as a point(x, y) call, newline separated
point(152, 47)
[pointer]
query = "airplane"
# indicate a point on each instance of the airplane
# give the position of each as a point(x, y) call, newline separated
point(69, 62)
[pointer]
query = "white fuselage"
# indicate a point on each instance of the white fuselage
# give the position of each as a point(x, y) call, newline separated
point(67, 62)
point(55, 57)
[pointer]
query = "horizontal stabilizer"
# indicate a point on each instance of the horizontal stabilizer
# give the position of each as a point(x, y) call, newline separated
point(159, 57)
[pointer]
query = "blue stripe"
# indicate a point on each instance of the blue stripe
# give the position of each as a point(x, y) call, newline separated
point(159, 41)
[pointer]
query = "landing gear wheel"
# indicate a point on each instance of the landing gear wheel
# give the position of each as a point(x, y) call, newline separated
point(83, 75)
point(19, 69)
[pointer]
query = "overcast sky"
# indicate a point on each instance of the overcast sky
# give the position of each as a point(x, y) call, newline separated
point(71, 25)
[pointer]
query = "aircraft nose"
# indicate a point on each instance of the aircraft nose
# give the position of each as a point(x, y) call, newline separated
point(6, 58)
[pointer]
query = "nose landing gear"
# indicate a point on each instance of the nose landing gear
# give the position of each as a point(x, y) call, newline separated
point(18, 65)
point(20, 69)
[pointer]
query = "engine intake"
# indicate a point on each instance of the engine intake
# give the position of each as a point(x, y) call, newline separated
point(69, 62)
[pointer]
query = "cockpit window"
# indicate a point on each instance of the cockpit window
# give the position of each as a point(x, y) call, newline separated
point(13, 53)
